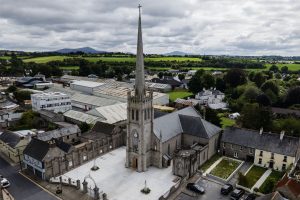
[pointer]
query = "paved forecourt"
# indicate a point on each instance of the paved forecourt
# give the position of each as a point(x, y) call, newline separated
point(121, 183)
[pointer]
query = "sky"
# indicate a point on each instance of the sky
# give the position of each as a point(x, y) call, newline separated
point(219, 27)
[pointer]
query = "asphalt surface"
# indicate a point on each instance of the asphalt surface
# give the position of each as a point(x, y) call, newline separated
point(21, 188)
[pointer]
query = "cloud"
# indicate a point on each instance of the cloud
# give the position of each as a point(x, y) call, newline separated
point(250, 27)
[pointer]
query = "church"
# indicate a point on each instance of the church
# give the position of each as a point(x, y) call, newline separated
point(178, 136)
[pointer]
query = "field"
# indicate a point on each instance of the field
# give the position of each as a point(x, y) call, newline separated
point(110, 59)
point(179, 94)
point(69, 67)
point(292, 67)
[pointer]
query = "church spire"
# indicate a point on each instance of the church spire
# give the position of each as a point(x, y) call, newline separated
point(139, 72)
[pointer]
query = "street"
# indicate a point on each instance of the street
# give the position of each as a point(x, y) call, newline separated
point(21, 188)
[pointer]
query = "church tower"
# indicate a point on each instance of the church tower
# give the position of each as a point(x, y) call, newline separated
point(139, 114)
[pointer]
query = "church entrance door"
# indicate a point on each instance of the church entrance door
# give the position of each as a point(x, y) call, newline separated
point(134, 163)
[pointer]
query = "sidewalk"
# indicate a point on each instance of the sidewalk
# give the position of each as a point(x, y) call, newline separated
point(262, 179)
point(68, 193)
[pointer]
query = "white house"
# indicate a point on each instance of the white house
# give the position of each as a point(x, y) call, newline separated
point(211, 96)
point(54, 101)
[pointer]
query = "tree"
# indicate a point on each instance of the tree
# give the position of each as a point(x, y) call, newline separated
point(84, 127)
point(259, 78)
point(254, 117)
point(208, 80)
point(293, 96)
point(220, 84)
point(22, 95)
point(11, 89)
point(270, 85)
point(251, 93)
point(211, 116)
point(195, 84)
point(274, 68)
point(181, 76)
point(160, 75)
point(235, 77)
point(284, 69)
point(263, 100)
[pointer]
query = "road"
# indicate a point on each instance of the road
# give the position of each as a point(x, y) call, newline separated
point(21, 188)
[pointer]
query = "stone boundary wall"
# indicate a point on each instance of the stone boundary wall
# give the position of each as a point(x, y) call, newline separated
point(172, 189)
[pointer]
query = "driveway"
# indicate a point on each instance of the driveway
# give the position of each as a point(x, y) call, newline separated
point(21, 188)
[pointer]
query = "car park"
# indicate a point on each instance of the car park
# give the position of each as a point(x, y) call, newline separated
point(226, 189)
point(195, 188)
point(249, 197)
point(237, 194)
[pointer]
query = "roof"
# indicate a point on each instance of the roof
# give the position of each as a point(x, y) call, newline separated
point(291, 186)
point(93, 100)
point(167, 80)
point(272, 196)
point(111, 114)
point(210, 92)
point(37, 149)
point(198, 127)
point(47, 113)
point(82, 117)
point(173, 124)
point(100, 130)
point(266, 141)
point(187, 102)
point(58, 133)
point(90, 84)
point(285, 111)
point(10, 138)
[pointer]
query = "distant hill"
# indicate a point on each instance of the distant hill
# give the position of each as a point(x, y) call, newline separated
point(177, 53)
point(83, 49)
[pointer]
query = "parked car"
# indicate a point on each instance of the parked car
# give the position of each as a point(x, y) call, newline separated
point(4, 183)
point(195, 188)
point(237, 194)
point(226, 189)
point(249, 197)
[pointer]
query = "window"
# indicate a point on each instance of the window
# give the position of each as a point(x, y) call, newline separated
point(84, 157)
point(231, 146)
point(149, 112)
point(235, 155)
point(251, 151)
point(137, 115)
point(272, 155)
point(132, 115)
point(169, 149)
point(284, 158)
point(283, 167)
point(261, 153)
point(259, 161)
point(145, 114)
point(70, 163)
point(241, 148)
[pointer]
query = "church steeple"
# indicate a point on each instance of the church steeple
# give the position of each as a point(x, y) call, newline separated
point(139, 72)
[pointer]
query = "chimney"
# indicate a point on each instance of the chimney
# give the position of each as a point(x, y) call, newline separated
point(281, 135)
point(261, 131)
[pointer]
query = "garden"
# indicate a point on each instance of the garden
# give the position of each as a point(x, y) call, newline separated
point(225, 168)
point(252, 176)
point(179, 93)
point(269, 184)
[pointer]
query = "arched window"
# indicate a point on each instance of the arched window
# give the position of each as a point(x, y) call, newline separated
point(137, 115)
point(132, 114)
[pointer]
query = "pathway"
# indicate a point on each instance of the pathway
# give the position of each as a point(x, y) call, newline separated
point(262, 179)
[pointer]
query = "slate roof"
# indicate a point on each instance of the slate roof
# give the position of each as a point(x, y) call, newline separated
point(272, 196)
point(198, 127)
point(175, 123)
point(58, 133)
point(11, 138)
point(267, 141)
point(37, 149)
point(167, 80)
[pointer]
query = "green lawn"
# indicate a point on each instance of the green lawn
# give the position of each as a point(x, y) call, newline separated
point(211, 161)
point(5, 57)
point(253, 175)
point(292, 67)
point(225, 121)
point(69, 67)
point(268, 186)
point(225, 168)
point(179, 94)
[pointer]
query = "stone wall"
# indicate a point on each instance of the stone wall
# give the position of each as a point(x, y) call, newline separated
point(81, 154)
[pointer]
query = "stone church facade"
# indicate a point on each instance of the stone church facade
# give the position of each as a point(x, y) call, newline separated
point(155, 142)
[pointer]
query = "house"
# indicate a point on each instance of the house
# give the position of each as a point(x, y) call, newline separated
point(181, 103)
point(285, 112)
point(272, 196)
point(54, 101)
point(289, 188)
point(168, 80)
point(211, 96)
point(8, 118)
point(68, 134)
point(12, 144)
point(275, 151)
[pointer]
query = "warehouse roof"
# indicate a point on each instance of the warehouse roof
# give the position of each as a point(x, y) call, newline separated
point(82, 117)
point(93, 100)
point(58, 133)
point(90, 84)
